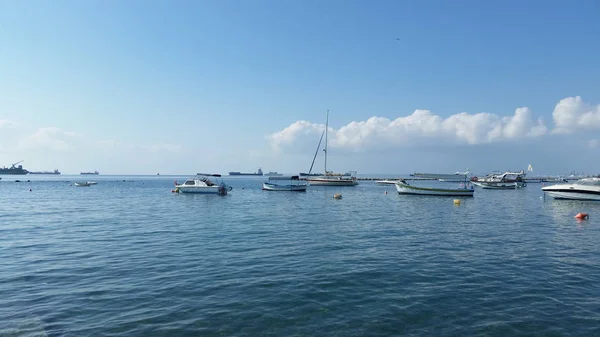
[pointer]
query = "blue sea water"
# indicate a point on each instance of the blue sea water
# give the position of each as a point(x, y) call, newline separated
point(127, 257)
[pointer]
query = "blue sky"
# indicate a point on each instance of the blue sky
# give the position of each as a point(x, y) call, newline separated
point(187, 86)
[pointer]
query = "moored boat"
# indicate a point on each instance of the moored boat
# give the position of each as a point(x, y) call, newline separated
point(293, 184)
point(203, 184)
point(85, 183)
point(386, 182)
point(330, 178)
point(583, 189)
point(403, 187)
point(504, 181)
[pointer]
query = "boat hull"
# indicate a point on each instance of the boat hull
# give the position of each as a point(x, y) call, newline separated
point(199, 189)
point(277, 187)
point(385, 182)
point(574, 195)
point(408, 189)
point(331, 182)
point(14, 173)
point(499, 185)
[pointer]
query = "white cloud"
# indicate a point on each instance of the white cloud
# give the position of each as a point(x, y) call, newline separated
point(7, 123)
point(51, 138)
point(593, 143)
point(572, 114)
point(421, 127)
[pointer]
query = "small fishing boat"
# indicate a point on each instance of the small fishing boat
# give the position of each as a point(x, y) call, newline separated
point(464, 190)
point(293, 184)
point(203, 184)
point(504, 181)
point(84, 183)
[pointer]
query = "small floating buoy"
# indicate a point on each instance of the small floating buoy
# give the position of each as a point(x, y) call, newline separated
point(30, 190)
point(457, 201)
point(582, 216)
point(337, 196)
point(385, 192)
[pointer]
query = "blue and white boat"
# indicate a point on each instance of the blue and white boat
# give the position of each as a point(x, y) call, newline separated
point(289, 183)
point(203, 183)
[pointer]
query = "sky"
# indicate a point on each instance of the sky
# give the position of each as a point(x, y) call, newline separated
point(178, 87)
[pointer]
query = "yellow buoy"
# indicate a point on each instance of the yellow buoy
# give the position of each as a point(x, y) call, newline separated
point(337, 196)
point(457, 201)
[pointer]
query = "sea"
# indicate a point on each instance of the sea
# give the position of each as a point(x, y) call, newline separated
point(127, 257)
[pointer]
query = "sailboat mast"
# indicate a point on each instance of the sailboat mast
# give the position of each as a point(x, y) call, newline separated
point(326, 127)
point(316, 153)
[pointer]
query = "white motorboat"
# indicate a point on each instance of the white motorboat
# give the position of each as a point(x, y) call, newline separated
point(330, 178)
point(386, 182)
point(504, 181)
point(465, 190)
point(84, 183)
point(583, 189)
point(203, 184)
point(293, 184)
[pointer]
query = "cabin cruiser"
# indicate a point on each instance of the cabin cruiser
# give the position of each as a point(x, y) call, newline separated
point(504, 181)
point(583, 189)
point(202, 183)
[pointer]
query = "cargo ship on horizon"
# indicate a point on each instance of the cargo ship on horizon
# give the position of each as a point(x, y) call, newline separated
point(95, 173)
point(236, 173)
point(14, 170)
point(45, 172)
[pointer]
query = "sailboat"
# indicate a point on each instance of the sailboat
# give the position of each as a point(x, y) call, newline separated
point(330, 178)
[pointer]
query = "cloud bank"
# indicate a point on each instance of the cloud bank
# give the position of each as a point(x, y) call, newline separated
point(423, 127)
point(572, 114)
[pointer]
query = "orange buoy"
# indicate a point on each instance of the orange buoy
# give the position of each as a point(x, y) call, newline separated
point(582, 216)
